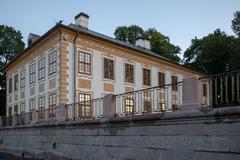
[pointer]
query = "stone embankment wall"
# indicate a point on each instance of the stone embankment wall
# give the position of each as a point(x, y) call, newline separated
point(192, 134)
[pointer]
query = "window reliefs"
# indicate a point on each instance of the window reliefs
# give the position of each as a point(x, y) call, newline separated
point(22, 78)
point(41, 68)
point(108, 68)
point(174, 83)
point(52, 63)
point(84, 63)
point(16, 84)
point(129, 73)
point(161, 79)
point(32, 73)
point(146, 77)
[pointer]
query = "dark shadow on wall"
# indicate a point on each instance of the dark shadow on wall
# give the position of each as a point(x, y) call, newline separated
point(2, 102)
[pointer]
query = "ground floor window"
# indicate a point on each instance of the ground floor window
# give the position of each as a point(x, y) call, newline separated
point(52, 100)
point(84, 105)
point(22, 107)
point(129, 106)
point(147, 106)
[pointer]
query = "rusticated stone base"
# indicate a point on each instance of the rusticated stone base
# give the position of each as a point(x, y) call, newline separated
point(192, 134)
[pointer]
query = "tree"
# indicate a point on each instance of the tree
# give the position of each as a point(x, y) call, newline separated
point(128, 34)
point(214, 53)
point(10, 45)
point(160, 44)
point(236, 23)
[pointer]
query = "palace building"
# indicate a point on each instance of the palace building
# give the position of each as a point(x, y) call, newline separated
point(71, 63)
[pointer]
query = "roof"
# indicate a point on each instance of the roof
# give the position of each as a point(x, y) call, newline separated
point(88, 32)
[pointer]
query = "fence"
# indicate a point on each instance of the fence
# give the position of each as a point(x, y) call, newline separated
point(221, 89)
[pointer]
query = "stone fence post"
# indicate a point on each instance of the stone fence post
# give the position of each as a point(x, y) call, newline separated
point(109, 108)
point(192, 93)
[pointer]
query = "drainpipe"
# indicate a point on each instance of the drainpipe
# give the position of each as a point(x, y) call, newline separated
point(74, 68)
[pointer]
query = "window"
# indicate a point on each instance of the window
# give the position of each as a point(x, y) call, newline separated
point(161, 79)
point(52, 100)
point(16, 82)
point(41, 68)
point(129, 106)
point(174, 83)
point(15, 109)
point(84, 63)
point(32, 69)
point(147, 106)
point(22, 78)
point(22, 107)
point(10, 111)
point(146, 77)
point(129, 73)
point(84, 108)
point(108, 68)
point(52, 62)
point(41, 103)
point(32, 105)
point(10, 85)
point(41, 106)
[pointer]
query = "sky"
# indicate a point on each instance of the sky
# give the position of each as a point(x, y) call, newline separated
point(180, 20)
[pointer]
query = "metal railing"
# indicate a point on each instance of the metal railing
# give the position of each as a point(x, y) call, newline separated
point(221, 89)
point(150, 100)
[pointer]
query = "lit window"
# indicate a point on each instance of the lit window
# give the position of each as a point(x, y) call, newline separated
point(129, 73)
point(22, 78)
point(52, 63)
point(16, 82)
point(146, 77)
point(129, 106)
point(84, 109)
point(32, 105)
point(41, 68)
point(84, 63)
point(108, 68)
point(32, 75)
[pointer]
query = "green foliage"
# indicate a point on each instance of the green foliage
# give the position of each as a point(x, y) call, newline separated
point(236, 23)
point(160, 44)
point(10, 45)
point(128, 34)
point(214, 53)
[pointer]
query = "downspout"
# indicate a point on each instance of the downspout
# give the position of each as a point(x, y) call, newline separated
point(74, 68)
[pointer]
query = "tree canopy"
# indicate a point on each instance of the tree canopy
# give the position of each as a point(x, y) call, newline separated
point(160, 43)
point(236, 23)
point(214, 53)
point(10, 45)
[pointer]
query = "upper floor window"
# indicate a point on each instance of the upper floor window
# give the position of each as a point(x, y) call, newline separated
point(10, 85)
point(22, 78)
point(84, 63)
point(52, 62)
point(32, 76)
point(174, 83)
point(161, 79)
point(16, 82)
point(108, 68)
point(41, 68)
point(129, 73)
point(146, 77)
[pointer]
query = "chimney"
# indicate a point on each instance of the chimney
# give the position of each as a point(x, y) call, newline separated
point(82, 20)
point(32, 38)
point(143, 42)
